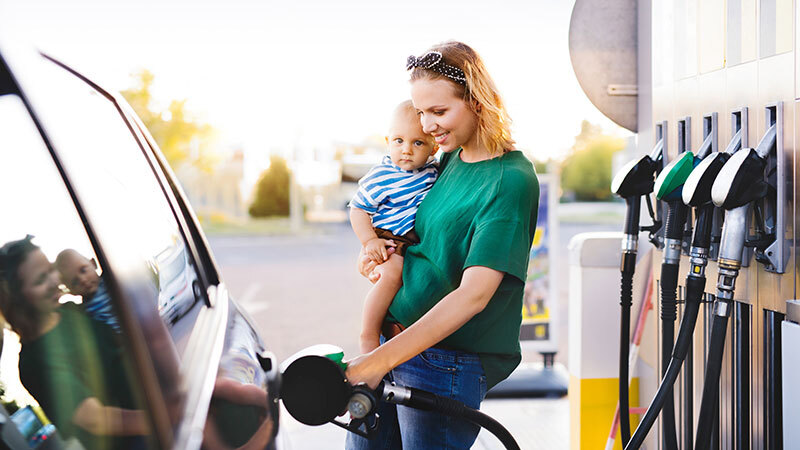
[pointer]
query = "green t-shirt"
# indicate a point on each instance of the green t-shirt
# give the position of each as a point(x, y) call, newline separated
point(78, 359)
point(477, 214)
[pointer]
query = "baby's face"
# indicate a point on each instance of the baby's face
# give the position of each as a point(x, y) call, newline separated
point(409, 147)
point(79, 275)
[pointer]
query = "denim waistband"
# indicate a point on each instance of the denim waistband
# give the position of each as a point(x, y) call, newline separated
point(452, 355)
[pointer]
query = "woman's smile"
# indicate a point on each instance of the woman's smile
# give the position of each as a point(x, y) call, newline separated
point(440, 138)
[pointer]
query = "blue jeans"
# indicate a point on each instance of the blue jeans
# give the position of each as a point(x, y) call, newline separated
point(454, 374)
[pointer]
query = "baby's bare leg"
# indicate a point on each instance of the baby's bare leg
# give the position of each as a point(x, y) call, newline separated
point(378, 300)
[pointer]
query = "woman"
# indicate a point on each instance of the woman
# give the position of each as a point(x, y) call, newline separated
point(68, 362)
point(453, 328)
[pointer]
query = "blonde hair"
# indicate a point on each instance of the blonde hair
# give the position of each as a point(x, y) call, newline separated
point(480, 94)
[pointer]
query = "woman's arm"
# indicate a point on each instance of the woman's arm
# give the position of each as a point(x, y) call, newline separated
point(477, 287)
point(94, 417)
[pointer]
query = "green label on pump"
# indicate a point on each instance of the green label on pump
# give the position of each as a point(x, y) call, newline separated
point(674, 175)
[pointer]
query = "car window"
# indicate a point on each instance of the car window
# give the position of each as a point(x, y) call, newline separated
point(123, 199)
point(66, 374)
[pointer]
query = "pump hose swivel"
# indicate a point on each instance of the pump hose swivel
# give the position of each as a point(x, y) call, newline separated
point(695, 287)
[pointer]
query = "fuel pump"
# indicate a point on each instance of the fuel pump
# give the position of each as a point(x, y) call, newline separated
point(315, 391)
point(740, 182)
point(632, 182)
point(696, 192)
point(668, 188)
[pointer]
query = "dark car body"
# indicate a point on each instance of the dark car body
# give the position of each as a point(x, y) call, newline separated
point(82, 172)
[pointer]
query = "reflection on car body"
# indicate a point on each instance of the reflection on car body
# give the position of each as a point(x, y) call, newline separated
point(176, 293)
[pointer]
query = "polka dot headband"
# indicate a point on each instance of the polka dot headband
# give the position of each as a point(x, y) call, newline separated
point(433, 61)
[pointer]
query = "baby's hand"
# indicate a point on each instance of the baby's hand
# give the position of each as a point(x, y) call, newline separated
point(375, 248)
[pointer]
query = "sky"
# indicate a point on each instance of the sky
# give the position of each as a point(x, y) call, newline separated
point(302, 75)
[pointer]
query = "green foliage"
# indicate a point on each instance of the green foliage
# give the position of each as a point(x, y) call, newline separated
point(272, 190)
point(180, 138)
point(586, 172)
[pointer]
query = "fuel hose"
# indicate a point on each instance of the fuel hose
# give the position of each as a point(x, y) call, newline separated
point(427, 401)
point(708, 407)
point(676, 218)
point(695, 287)
point(627, 268)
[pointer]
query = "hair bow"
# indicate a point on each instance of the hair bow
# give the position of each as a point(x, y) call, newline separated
point(426, 61)
point(433, 61)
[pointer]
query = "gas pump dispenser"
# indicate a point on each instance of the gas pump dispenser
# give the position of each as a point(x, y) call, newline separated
point(695, 192)
point(632, 182)
point(315, 391)
point(740, 182)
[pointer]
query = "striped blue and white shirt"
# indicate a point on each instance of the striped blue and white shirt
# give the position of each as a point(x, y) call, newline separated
point(392, 195)
point(99, 307)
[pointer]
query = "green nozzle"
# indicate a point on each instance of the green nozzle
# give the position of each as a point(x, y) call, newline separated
point(671, 179)
point(337, 358)
point(332, 352)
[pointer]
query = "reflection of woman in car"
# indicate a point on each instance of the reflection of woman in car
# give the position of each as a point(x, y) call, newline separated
point(453, 328)
point(68, 362)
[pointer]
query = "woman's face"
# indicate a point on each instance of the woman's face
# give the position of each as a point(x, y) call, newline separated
point(443, 114)
point(39, 281)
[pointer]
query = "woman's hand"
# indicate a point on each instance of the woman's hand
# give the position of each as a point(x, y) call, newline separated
point(366, 369)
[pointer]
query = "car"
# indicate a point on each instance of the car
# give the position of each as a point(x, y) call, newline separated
point(176, 284)
point(80, 172)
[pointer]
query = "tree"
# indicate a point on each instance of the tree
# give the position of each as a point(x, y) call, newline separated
point(272, 190)
point(180, 138)
point(586, 172)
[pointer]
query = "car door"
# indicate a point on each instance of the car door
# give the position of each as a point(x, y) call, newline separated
point(143, 239)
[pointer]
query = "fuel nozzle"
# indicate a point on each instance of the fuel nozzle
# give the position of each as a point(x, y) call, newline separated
point(635, 178)
point(669, 184)
point(740, 181)
point(697, 188)
point(315, 391)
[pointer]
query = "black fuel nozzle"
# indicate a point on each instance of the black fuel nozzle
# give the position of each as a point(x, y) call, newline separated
point(315, 391)
point(635, 178)
point(741, 180)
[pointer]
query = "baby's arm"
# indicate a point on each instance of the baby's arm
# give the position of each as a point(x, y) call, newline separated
point(378, 300)
point(374, 246)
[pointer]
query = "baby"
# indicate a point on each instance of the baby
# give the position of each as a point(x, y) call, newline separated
point(79, 275)
point(382, 212)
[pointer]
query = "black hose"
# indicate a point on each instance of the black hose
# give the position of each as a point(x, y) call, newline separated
point(669, 285)
point(626, 295)
point(627, 269)
point(676, 218)
point(428, 401)
point(694, 294)
point(705, 423)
